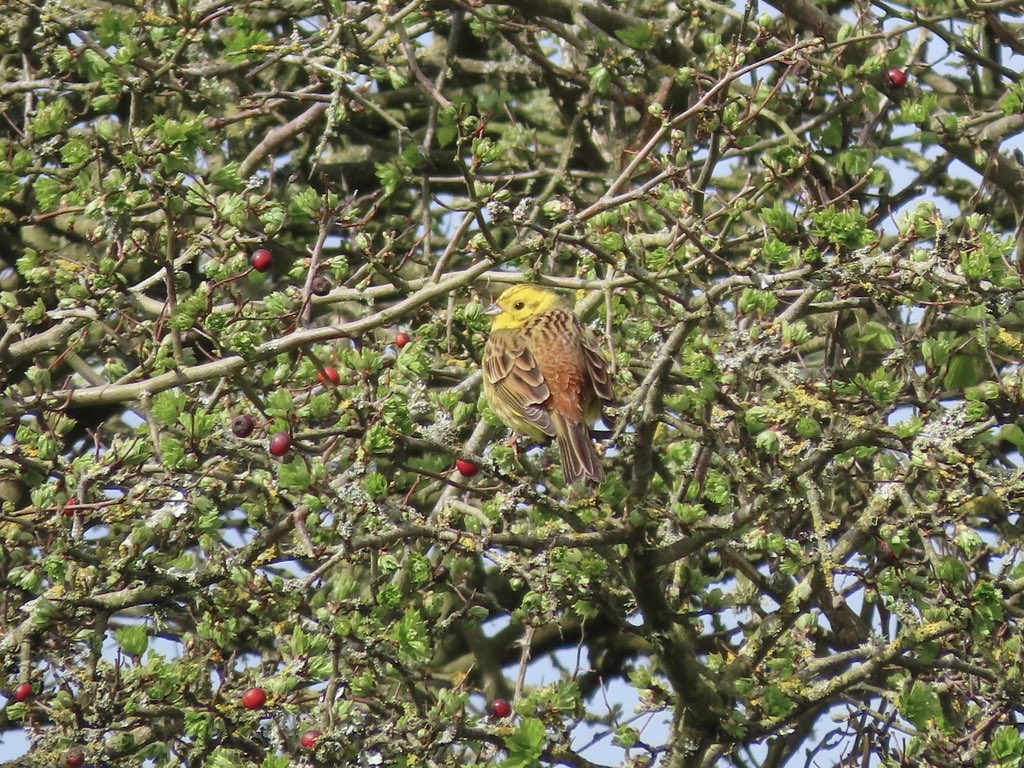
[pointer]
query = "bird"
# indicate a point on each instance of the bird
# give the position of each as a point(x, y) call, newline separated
point(545, 377)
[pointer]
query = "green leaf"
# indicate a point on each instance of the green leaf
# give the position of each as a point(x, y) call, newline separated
point(228, 178)
point(168, 406)
point(876, 335)
point(48, 192)
point(198, 425)
point(951, 570)
point(278, 304)
point(294, 474)
point(526, 745)
point(1006, 743)
point(280, 404)
point(379, 440)
point(75, 152)
point(920, 705)
point(612, 242)
point(93, 65)
point(198, 724)
point(413, 638)
point(777, 703)
point(613, 491)
point(638, 37)
point(808, 428)
point(133, 640)
point(626, 737)
point(831, 134)
point(50, 119)
point(936, 352)
point(754, 301)
point(447, 128)
point(964, 371)
point(396, 414)
point(847, 228)
point(390, 177)
point(1014, 435)
point(988, 608)
point(768, 441)
point(853, 161)
point(777, 252)
point(233, 208)
point(188, 134)
point(173, 452)
point(688, 514)
point(306, 204)
point(601, 79)
point(272, 217)
point(222, 757)
point(376, 486)
point(976, 264)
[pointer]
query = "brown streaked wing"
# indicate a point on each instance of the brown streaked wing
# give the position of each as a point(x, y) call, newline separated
point(517, 378)
point(554, 339)
point(597, 368)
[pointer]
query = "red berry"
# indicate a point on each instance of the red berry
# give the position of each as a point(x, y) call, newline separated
point(466, 468)
point(70, 507)
point(887, 553)
point(500, 708)
point(242, 425)
point(310, 738)
point(74, 758)
point(330, 375)
point(401, 339)
point(22, 692)
point(261, 259)
point(280, 444)
point(896, 78)
point(254, 698)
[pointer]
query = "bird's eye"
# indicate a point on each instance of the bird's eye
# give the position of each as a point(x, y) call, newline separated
point(519, 305)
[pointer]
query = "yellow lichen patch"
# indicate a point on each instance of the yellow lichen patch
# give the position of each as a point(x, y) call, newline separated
point(268, 556)
point(152, 19)
point(68, 265)
point(804, 397)
point(55, 591)
point(1007, 339)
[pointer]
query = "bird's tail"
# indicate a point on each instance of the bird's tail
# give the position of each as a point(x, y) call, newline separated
point(579, 458)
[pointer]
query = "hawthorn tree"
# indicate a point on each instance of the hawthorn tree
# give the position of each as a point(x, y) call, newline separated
point(247, 250)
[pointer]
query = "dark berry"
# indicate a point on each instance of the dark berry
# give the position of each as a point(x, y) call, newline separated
point(261, 259)
point(896, 78)
point(280, 444)
point(242, 425)
point(440, 574)
point(321, 286)
point(500, 709)
point(74, 758)
point(254, 698)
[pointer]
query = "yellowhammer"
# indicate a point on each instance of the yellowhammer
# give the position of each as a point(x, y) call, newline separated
point(544, 375)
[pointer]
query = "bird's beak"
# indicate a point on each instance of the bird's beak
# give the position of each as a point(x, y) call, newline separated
point(494, 309)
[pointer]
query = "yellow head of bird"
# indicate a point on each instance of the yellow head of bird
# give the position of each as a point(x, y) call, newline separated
point(520, 304)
